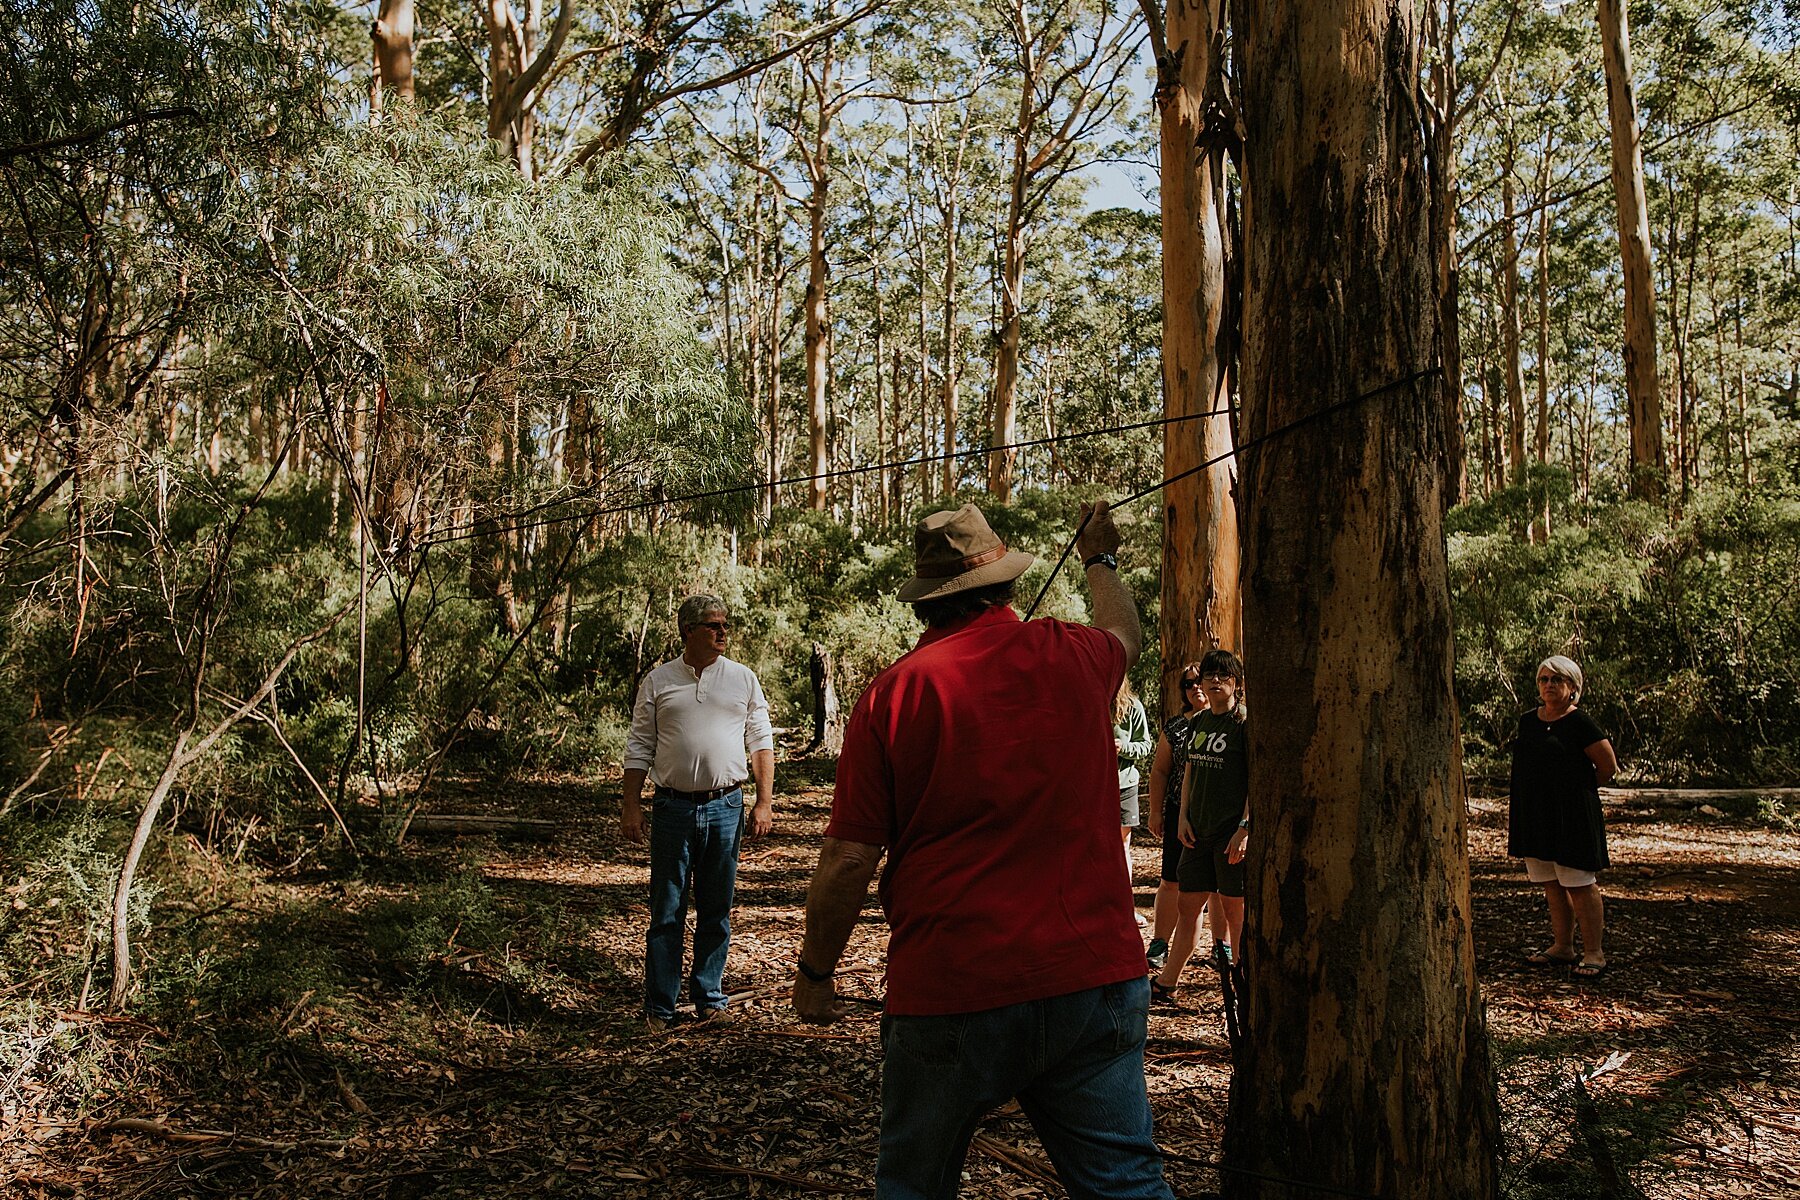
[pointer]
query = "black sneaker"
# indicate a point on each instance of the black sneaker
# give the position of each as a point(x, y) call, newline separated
point(1157, 956)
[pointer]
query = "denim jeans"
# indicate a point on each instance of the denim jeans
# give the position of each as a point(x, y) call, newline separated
point(1076, 1065)
point(697, 843)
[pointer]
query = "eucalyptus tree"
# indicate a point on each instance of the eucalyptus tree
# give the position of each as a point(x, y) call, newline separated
point(1068, 60)
point(118, 135)
point(1365, 1063)
point(1718, 88)
point(1198, 126)
point(649, 54)
point(391, 38)
point(1649, 465)
point(949, 138)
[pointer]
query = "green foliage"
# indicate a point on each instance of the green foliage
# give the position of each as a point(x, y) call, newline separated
point(1685, 631)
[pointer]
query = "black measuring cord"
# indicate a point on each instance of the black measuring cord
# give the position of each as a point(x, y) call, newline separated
point(1216, 459)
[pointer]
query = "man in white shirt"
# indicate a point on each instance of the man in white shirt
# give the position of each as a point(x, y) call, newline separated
point(699, 726)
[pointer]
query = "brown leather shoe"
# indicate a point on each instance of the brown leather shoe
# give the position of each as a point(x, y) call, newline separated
point(717, 1018)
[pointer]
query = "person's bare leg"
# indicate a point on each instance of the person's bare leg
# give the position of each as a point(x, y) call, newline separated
point(1168, 907)
point(1589, 911)
point(1562, 922)
point(1231, 917)
point(1187, 932)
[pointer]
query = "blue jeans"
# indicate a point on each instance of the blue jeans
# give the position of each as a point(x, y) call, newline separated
point(1076, 1065)
point(697, 843)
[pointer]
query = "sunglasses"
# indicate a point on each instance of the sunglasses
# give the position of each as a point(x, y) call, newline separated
point(715, 626)
point(1554, 679)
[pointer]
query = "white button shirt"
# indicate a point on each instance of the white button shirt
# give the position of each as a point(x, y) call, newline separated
point(695, 732)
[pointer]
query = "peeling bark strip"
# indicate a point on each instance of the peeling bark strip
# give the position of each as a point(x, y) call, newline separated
point(1366, 1064)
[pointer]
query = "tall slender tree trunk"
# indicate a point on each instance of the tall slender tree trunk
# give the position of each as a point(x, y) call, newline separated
point(1649, 467)
point(1006, 362)
point(818, 356)
point(1443, 23)
point(1365, 1065)
point(1509, 326)
point(1012, 294)
point(1200, 608)
point(1540, 528)
point(950, 383)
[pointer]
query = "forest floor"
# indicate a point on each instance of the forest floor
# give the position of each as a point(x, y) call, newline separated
point(463, 1019)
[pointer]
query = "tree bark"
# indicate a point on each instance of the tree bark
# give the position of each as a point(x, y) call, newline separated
point(1509, 325)
point(828, 718)
point(1365, 1066)
point(516, 66)
point(1200, 608)
point(818, 349)
point(392, 37)
point(1540, 526)
point(1442, 23)
point(1649, 467)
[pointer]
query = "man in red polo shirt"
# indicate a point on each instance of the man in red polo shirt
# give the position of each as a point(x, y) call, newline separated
point(982, 763)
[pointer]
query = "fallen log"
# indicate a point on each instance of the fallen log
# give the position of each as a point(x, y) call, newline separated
point(453, 824)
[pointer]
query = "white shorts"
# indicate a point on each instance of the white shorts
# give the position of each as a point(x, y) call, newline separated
point(1542, 870)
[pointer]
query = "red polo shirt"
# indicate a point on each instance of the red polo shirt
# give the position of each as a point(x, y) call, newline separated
point(983, 760)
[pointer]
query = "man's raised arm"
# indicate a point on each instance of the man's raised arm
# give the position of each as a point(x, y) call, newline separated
point(1114, 609)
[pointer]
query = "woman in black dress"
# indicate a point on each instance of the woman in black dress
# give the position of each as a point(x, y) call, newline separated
point(1560, 760)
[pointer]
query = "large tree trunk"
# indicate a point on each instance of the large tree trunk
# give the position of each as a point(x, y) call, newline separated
point(392, 36)
point(1644, 403)
point(1200, 605)
point(1365, 1066)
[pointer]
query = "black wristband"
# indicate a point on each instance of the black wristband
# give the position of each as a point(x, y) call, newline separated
point(815, 976)
point(1109, 561)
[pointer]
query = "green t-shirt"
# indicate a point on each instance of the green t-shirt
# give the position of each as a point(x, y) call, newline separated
point(1219, 765)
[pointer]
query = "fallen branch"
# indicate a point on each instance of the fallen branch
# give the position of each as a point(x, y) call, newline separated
point(534, 828)
point(82, 1014)
point(208, 1136)
point(710, 1167)
point(1588, 1118)
point(1015, 1158)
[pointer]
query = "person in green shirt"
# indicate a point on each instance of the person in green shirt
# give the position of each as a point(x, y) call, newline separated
point(1215, 820)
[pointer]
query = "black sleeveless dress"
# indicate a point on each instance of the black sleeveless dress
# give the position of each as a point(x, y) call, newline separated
point(1555, 810)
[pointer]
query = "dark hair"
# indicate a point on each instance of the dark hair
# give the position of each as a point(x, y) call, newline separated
point(1221, 662)
point(947, 610)
point(1224, 662)
point(1189, 674)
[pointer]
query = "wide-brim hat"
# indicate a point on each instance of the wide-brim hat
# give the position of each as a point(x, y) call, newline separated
point(956, 551)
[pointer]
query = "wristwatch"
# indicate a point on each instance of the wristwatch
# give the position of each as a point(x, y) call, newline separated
point(1109, 561)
